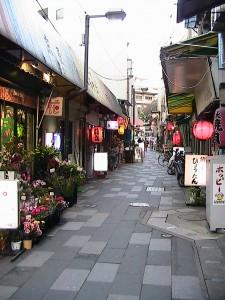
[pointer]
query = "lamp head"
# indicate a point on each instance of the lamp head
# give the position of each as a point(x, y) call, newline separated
point(115, 14)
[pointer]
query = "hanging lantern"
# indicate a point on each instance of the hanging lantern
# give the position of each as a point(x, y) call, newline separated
point(177, 138)
point(219, 126)
point(203, 130)
point(121, 129)
point(96, 134)
point(170, 126)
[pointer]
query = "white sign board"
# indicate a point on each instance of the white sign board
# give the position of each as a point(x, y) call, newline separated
point(195, 170)
point(112, 125)
point(9, 204)
point(55, 107)
point(218, 184)
point(101, 161)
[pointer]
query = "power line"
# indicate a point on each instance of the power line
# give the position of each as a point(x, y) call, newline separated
point(108, 78)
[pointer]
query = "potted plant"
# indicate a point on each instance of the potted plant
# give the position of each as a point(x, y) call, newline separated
point(68, 189)
point(195, 196)
point(3, 240)
point(31, 230)
point(16, 239)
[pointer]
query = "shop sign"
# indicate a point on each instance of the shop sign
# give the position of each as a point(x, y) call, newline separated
point(195, 170)
point(18, 97)
point(219, 126)
point(9, 207)
point(112, 125)
point(55, 107)
point(218, 184)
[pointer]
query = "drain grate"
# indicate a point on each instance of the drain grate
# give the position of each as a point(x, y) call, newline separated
point(154, 189)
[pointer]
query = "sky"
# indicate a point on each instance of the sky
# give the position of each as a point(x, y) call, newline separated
point(148, 26)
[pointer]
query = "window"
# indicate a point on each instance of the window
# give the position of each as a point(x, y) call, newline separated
point(148, 98)
point(59, 14)
point(7, 124)
point(139, 97)
point(44, 13)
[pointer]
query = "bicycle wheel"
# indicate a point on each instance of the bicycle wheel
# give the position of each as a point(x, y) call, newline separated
point(162, 161)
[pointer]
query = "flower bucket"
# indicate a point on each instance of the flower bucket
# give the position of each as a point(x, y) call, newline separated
point(15, 246)
point(27, 244)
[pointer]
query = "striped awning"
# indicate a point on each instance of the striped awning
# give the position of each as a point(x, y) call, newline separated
point(180, 103)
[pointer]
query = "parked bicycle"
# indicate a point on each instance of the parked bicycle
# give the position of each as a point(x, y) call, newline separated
point(164, 156)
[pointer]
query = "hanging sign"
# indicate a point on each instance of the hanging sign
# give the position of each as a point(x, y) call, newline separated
point(203, 130)
point(219, 126)
point(55, 107)
point(218, 184)
point(96, 134)
point(195, 170)
point(112, 125)
point(9, 204)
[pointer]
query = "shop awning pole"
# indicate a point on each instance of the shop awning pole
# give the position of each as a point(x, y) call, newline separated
point(45, 109)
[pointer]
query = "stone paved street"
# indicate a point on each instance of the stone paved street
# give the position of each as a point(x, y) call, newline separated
point(105, 249)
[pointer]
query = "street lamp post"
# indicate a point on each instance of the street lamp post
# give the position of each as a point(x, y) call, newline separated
point(111, 15)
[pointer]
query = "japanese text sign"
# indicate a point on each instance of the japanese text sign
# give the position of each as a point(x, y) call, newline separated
point(195, 170)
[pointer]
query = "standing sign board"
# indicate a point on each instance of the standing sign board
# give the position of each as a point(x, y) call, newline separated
point(215, 192)
point(101, 161)
point(9, 204)
point(195, 170)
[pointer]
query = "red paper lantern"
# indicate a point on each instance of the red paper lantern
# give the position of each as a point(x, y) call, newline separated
point(177, 138)
point(219, 126)
point(97, 135)
point(203, 130)
point(170, 126)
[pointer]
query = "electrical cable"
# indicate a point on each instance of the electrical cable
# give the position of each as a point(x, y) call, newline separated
point(113, 79)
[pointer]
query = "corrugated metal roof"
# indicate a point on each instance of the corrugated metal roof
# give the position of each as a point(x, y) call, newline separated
point(21, 24)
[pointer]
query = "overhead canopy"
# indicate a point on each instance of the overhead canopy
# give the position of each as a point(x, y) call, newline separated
point(24, 28)
point(189, 8)
point(184, 66)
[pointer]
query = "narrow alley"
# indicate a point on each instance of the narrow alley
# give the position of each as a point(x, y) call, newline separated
point(104, 249)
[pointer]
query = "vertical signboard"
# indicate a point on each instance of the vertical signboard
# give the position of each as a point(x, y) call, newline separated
point(101, 161)
point(9, 205)
point(195, 170)
point(218, 184)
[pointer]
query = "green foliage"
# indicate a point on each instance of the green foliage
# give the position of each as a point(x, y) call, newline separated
point(44, 158)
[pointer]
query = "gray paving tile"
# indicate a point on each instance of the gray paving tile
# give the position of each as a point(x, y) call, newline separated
point(108, 195)
point(77, 240)
point(70, 280)
point(125, 282)
point(36, 259)
point(93, 248)
point(157, 275)
point(7, 291)
point(94, 291)
point(72, 226)
point(216, 289)
point(97, 220)
point(116, 189)
point(103, 272)
point(114, 256)
point(89, 193)
point(122, 297)
point(17, 276)
point(140, 238)
point(154, 292)
point(84, 262)
point(59, 295)
point(186, 287)
point(160, 244)
point(162, 258)
point(88, 212)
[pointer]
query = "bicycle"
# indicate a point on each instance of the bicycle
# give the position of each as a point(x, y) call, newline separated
point(164, 156)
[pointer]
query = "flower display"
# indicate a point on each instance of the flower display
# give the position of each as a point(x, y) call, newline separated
point(31, 228)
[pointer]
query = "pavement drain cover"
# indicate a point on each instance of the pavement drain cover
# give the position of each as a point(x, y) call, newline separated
point(191, 218)
point(139, 204)
point(154, 189)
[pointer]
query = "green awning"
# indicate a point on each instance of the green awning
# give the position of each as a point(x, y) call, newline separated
point(180, 103)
